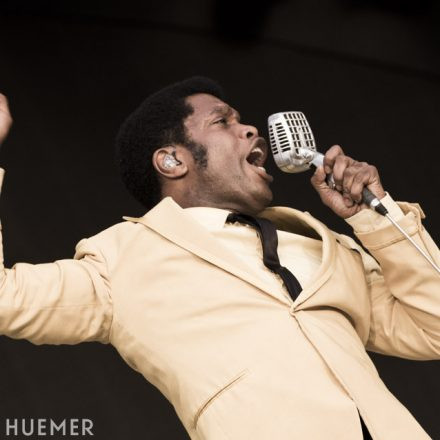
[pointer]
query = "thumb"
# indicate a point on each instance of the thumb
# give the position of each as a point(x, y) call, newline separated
point(318, 179)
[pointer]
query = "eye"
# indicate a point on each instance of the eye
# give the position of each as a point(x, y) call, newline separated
point(222, 121)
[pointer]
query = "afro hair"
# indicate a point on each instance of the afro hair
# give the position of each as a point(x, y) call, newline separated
point(158, 121)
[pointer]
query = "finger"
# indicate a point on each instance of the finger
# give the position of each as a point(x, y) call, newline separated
point(348, 201)
point(318, 179)
point(341, 164)
point(360, 180)
point(349, 174)
point(330, 157)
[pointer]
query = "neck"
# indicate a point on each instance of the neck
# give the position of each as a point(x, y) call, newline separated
point(191, 198)
point(185, 202)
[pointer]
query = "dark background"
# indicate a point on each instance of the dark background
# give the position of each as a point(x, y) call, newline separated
point(365, 72)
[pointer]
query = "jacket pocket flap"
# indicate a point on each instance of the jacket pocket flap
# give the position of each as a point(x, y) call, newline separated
point(220, 391)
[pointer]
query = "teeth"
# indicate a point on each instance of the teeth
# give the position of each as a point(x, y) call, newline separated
point(255, 157)
point(262, 168)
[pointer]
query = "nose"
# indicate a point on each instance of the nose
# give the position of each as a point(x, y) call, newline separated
point(248, 131)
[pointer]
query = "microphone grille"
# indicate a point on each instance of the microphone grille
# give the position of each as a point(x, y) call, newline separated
point(290, 135)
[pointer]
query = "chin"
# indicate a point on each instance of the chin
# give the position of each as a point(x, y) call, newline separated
point(267, 196)
point(265, 204)
point(261, 202)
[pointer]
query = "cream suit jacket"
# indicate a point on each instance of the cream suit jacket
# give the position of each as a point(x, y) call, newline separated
point(236, 358)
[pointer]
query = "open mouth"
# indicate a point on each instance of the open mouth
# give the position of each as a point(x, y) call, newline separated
point(257, 155)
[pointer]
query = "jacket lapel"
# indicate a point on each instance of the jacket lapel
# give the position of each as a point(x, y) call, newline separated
point(172, 222)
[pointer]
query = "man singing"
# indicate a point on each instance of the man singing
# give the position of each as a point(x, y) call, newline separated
point(253, 321)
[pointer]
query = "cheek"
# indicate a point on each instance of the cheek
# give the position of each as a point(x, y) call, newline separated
point(223, 145)
point(228, 171)
point(224, 162)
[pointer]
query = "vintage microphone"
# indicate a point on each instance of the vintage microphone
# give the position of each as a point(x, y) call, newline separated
point(294, 150)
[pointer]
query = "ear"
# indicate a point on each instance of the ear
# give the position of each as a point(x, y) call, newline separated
point(170, 162)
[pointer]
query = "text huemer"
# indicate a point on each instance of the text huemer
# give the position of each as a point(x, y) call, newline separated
point(48, 427)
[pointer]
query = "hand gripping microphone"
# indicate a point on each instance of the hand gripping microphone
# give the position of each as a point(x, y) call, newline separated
point(294, 150)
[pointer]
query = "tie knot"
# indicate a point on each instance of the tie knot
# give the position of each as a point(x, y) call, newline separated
point(242, 218)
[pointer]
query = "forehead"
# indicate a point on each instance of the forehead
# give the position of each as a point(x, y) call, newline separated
point(203, 103)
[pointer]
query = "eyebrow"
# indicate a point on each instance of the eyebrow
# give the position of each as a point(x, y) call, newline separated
point(225, 110)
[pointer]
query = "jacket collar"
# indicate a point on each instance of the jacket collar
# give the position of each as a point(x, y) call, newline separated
point(172, 222)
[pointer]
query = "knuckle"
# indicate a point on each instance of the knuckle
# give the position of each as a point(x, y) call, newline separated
point(337, 164)
point(355, 189)
point(335, 151)
point(350, 171)
point(341, 162)
point(337, 178)
point(360, 177)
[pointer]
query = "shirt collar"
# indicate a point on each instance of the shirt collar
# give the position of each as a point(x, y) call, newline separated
point(212, 219)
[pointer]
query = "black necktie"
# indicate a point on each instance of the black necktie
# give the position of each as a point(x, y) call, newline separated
point(269, 242)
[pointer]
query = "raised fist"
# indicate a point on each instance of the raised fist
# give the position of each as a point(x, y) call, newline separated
point(5, 118)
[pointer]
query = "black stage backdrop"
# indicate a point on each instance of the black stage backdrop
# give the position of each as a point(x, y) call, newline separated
point(366, 73)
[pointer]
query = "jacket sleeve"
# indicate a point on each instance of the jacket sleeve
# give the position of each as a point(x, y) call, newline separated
point(65, 302)
point(404, 288)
